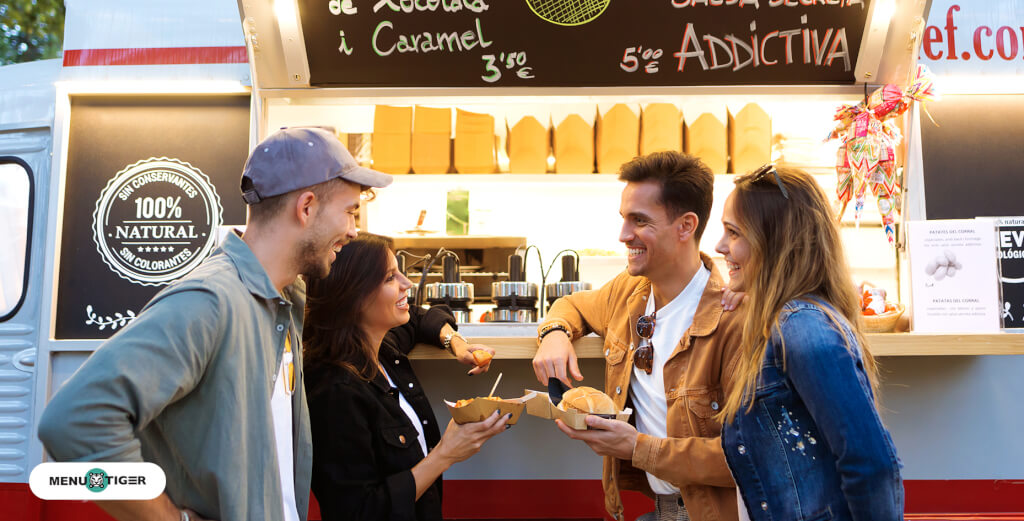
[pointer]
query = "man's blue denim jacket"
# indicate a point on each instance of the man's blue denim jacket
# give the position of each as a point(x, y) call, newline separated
point(813, 447)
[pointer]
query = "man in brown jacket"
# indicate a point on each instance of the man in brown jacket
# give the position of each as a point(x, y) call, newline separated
point(670, 347)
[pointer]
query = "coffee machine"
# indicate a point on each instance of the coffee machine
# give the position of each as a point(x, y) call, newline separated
point(570, 282)
point(451, 291)
point(515, 299)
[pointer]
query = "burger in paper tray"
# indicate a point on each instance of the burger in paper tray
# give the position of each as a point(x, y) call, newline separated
point(575, 405)
point(481, 408)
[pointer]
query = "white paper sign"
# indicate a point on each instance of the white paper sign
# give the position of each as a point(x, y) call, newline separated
point(954, 276)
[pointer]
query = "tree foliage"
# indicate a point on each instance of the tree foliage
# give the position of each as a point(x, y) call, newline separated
point(30, 30)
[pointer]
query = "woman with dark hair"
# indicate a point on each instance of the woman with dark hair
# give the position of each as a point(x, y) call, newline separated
point(377, 449)
point(802, 433)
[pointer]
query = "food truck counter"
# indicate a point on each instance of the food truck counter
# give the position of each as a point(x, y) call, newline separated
point(517, 341)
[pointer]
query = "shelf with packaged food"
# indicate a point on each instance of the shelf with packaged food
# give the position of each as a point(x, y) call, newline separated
point(575, 209)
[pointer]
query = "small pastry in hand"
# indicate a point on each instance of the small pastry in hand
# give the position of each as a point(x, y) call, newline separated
point(481, 357)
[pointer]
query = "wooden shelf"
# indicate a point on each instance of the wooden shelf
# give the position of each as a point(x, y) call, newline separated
point(946, 344)
point(456, 241)
point(506, 177)
point(824, 175)
point(882, 344)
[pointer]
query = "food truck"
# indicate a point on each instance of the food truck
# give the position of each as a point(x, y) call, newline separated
point(504, 122)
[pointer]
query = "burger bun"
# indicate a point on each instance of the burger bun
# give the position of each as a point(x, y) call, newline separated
point(586, 400)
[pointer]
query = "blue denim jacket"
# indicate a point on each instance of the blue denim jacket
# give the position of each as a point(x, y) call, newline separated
point(813, 447)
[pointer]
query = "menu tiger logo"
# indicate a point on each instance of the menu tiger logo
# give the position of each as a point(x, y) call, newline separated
point(85, 480)
point(97, 480)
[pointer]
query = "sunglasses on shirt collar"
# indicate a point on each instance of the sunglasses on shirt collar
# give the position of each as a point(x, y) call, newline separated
point(643, 357)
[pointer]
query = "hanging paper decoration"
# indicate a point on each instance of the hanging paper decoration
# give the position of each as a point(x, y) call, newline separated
point(867, 156)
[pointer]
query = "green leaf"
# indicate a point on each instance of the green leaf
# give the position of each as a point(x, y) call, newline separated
point(31, 30)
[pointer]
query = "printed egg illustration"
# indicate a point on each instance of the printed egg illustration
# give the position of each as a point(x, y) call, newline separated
point(931, 267)
point(950, 255)
point(950, 271)
point(940, 273)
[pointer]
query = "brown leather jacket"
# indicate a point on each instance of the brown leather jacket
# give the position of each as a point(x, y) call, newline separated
point(701, 366)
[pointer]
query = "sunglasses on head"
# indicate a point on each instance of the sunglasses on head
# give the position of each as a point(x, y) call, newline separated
point(643, 357)
point(764, 171)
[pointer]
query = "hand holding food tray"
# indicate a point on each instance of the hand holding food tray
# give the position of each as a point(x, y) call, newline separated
point(480, 408)
point(575, 406)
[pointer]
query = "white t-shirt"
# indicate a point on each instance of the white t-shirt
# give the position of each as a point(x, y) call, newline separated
point(742, 506)
point(408, 410)
point(281, 410)
point(648, 390)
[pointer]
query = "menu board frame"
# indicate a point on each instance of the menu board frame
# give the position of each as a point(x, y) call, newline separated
point(487, 43)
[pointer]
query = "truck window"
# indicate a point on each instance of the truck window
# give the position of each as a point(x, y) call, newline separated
point(15, 202)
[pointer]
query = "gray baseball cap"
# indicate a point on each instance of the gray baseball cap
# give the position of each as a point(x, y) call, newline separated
point(298, 157)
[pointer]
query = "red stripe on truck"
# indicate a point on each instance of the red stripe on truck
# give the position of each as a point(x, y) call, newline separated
point(927, 500)
point(155, 56)
point(927, 496)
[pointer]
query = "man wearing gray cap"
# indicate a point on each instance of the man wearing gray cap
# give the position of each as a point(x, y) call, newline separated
point(207, 381)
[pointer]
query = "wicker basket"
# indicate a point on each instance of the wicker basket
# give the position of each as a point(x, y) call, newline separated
point(883, 323)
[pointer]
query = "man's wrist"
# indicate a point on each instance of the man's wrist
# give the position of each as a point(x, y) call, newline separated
point(551, 328)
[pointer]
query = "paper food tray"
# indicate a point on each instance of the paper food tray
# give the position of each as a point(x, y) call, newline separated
point(540, 405)
point(481, 409)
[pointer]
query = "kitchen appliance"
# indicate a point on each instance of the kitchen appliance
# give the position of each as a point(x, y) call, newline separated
point(570, 282)
point(452, 292)
point(515, 298)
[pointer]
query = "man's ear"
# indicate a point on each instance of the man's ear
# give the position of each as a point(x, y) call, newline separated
point(304, 207)
point(686, 226)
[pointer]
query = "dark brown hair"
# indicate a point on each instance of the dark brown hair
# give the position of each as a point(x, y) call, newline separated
point(687, 184)
point(332, 333)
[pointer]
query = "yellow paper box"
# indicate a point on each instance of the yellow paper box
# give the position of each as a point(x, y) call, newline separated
point(474, 143)
point(431, 140)
point(661, 128)
point(706, 139)
point(574, 146)
point(750, 138)
point(392, 139)
point(528, 147)
point(618, 138)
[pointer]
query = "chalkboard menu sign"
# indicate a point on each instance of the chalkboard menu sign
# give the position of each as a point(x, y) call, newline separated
point(150, 180)
point(579, 43)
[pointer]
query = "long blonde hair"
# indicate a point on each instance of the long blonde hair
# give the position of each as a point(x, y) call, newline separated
point(795, 252)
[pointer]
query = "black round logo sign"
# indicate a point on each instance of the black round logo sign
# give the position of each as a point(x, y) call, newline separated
point(156, 220)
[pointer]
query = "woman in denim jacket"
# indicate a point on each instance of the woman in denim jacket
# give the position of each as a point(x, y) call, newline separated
point(802, 433)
